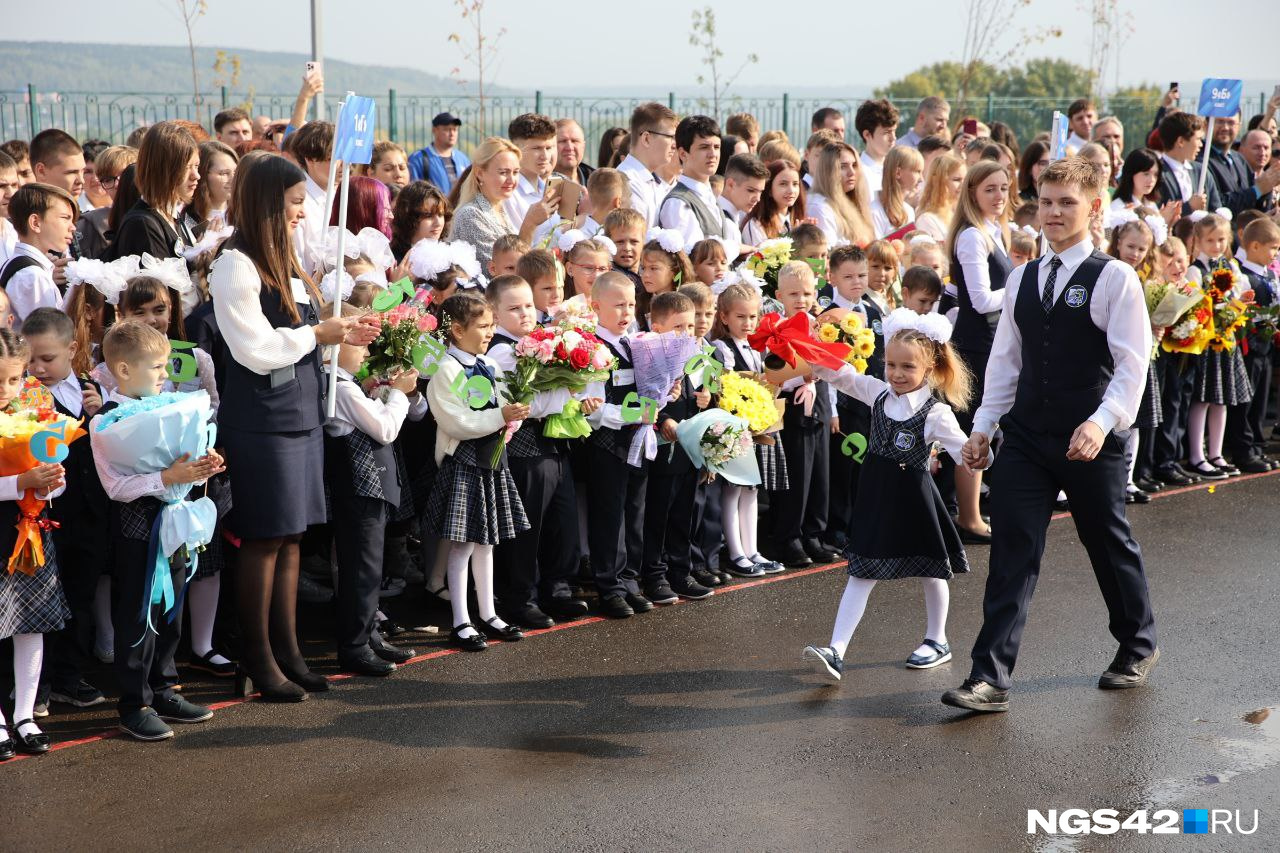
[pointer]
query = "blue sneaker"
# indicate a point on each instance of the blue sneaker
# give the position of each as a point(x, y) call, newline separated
point(941, 654)
point(825, 661)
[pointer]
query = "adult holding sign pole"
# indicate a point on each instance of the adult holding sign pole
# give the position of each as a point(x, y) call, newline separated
point(271, 416)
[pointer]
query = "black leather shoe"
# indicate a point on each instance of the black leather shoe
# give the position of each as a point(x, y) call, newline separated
point(973, 537)
point(638, 603)
point(565, 608)
point(1172, 477)
point(306, 679)
point(475, 643)
point(368, 663)
point(34, 744)
point(1137, 497)
point(819, 553)
point(793, 556)
point(976, 695)
point(7, 749)
point(1224, 466)
point(1148, 485)
point(706, 578)
point(1186, 472)
point(1128, 671)
point(616, 607)
point(507, 633)
point(1255, 465)
point(388, 652)
point(1208, 471)
point(285, 691)
point(530, 617)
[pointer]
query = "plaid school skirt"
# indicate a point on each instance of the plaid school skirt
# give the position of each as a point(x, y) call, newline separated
point(1221, 378)
point(1150, 413)
point(773, 465)
point(470, 503)
point(33, 604)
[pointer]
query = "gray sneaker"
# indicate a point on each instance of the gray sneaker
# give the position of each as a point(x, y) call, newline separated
point(825, 661)
point(82, 695)
point(175, 709)
point(145, 724)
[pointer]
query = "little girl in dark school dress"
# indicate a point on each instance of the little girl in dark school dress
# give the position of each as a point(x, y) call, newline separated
point(474, 504)
point(31, 605)
point(900, 526)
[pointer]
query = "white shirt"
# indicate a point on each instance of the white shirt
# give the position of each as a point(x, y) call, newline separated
point(69, 393)
point(308, 237)
point(972, 253)
point(725, 346)
point(8, 240)
point(32, 287)
point(679, 216)
point(940, 424)
point(609, 415)
point(819, 210)
point(251, 339)
point(872, 171)
point(730, 208)
point(1266, 272)
point(645, 189)
point(9, 490)
point(353, 409)
point(1182, 172)
point(1117, 307)
point(1076, 141)
point(527, 193)
point(880, 220)
point(753, 231)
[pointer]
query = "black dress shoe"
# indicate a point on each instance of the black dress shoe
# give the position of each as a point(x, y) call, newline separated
point(1171, 477)
point(565, 608)
point(819, 553)
point(389, 653)
point(530, 617)
point(973, 537)
point(306, 679)
point(976, 695)
point(1148, 485)
point(33, 744)
point(507, 633)
point(616, 607)
point(1186, 472)
point(7, 749)
point(793, 556)
point(391, 628)
point(638, 603)
point(1128, 671)
point(1208, 471)
point(1256, 465)
point(1137, 496)
point(1224, 466)
point(368, 663)
point(285, 691)
point(475, 643)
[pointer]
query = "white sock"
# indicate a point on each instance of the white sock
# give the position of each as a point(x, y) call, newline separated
point(203, 597)
point(730, 521)
point(852, 604)
point(28, 652)
point(459, 556)
point(105, 637)
point(1195, 433)
point(937, 600)
point(482, 575)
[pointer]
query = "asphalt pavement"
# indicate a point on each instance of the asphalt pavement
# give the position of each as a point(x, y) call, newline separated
point(696, 727)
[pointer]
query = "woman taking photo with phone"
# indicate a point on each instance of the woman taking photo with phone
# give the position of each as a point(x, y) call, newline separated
point(270, 416)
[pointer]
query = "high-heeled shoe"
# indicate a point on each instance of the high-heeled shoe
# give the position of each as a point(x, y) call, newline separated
point(306, 679)
point(286, 691)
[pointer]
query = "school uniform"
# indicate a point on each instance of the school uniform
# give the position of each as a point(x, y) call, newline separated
point(536, 566)
point(693, 209)
point(855, 417)
point(1248, 440)
point(799, 515)
point(647, 191)
point(979, 272)
point(1221, 378)
point(615, 488)
point(35, 603)
point(670, 503)
point(1179, 181)
point(772, 460)
point(364, 488)
point(145, 230)
point(1075, 353)
point(27, 279)
point(632, 276)
point(474, 498)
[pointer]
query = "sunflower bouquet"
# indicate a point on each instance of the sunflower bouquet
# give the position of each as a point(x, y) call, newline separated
point(748, 397)
point(848, 329)
point(764, 263)
point(1230, 311)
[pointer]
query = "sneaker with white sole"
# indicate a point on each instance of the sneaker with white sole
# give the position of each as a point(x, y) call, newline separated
point(825, 661)
point(82, 695)
point(391, 587)
point(145, 724)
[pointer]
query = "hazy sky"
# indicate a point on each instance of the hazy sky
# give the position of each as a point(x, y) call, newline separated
point(856, 44)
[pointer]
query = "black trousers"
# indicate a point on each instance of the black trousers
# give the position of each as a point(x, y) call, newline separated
point(668, 521)
point(359, 534)
point(1245, 426)
point(1146, 465)
point(1177, 381)
point(1033, 467)
point(708, 529)
point(146, 671)
point(800, 512)
point(855, 417)
point(68, 652)
point(538, 563)
point(615, 527)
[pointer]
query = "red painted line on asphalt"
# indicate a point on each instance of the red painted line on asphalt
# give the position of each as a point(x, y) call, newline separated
point(591, 620)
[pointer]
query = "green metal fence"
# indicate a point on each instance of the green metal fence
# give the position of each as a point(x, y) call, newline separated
point(407, 118)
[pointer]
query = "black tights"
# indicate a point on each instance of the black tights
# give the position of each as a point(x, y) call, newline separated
point(267, 590)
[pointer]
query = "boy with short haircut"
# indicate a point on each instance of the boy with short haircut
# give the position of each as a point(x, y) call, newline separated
point(1259, 245)
point(877, 124)
point(627, 229)
point(808, 243)
point(538, 268)
point(232, 127)
point(745, 127)
point(745, 177)
point(8, 186)
point(535, 136)
point(921, 289)
point(691, 207)
point(1182, 134)
point(312, 146)
point(507, 251)
point(708, 531)
point(20, 153)
point(45, 220)
point(81, 511)
point(138, 357)
point(58, 160)
point(533, 570)
point(651, 145)
point(673, 479)
point(1081, 115)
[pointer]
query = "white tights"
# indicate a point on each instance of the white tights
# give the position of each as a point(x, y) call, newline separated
point(481, 560)
point(738, 516)
point(937, 600)
point(203, 595)
point(1216, 416)
point(28, 652)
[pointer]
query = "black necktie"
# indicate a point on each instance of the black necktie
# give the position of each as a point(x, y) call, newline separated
point(1046, 298)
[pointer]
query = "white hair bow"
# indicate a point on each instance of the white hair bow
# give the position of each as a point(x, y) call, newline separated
point(1197, 215)
point(669, 239)
point(171, 271)
point(328, 284)
point(935, 327)
point(921, 238)
point(429, 258)
point(369, 242)
point(1027, 229)
point(464, 255)
point(210, 240)
point(742, 276)
point(109, 279)
point(1159, 228)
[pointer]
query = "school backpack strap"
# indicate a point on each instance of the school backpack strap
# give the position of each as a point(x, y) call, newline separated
point(16, 264)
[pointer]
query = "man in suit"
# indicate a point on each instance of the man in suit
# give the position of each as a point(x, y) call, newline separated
point(1255, 148)
point(571, 150)
point(1236, 183)
point(1182, 134)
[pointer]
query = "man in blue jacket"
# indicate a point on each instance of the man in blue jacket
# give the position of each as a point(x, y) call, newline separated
point(441, 162)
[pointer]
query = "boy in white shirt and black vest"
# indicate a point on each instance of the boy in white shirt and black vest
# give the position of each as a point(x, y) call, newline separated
point(364, 489)
point(691, 207)
point(45, 219)
point(1065, 379)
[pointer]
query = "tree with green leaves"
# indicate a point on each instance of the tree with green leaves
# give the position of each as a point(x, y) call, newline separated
point(704, 37)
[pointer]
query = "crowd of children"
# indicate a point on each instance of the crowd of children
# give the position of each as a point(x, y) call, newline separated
point(106, 299)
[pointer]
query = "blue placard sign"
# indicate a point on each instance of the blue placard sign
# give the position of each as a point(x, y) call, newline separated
point(353, 142)
point(1220, 97)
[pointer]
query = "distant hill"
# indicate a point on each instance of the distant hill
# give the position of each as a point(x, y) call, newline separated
point(152, 68)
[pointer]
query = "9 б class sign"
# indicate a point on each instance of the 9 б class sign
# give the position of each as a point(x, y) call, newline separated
point(1220, 97)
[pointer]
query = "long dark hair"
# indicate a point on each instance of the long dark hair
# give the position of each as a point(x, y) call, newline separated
point(143, 290)
point(257, 212)
point(199, 206)
point(1139, 160)
point(1031, 155)
point(127, 195)
point(408, 213)
point(766, 211)
point(605, 156)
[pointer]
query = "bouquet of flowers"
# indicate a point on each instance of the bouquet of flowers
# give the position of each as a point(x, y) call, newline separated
point(767, 259)
point(567, 355)
point(744, 396)
point(659, 361)
point(147, 436)
point(1167, 301)
point(27, 429)
point(576, 311)
point(1193, 331)
point(846, 327)
point(402, 344)
point(721, 443)
point(1264, 321)
point(1229, 311)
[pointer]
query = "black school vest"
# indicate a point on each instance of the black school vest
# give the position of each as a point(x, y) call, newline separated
point(616, 441)
point(974, 330)
point(358, 466)
point(84, 506)
point(249, 402)
point(714, 222)
point(132, 520)
point(1066, 363)
point(528, 442)
point(1263, 297)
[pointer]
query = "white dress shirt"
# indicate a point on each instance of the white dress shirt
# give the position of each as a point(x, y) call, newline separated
point(872, 172)
point(609, 415)
point(730, 208)
point(8, 240)
point(32, 287)
point(679, 216)
point(1182, 172)
point(250, 337)
point(1118, 308)
point(1076, 141)
point(308, 237)
point(69, 393)
point(353, 409)
point(646, 189)
point(972, 252)
point(819, 210)
point(880, 220)
point(527, 193)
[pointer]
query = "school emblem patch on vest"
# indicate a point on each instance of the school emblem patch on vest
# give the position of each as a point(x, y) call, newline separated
point(878, 328)
point(904, 440)
point(1075, 296)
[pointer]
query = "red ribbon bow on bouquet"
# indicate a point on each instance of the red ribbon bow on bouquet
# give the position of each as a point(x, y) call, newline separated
point(791, 339)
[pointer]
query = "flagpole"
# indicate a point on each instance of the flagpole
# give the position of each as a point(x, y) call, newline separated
point(340, 261)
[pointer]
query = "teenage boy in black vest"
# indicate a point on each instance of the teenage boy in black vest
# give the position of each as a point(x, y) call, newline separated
point(692, 207)
point(1066, 375)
